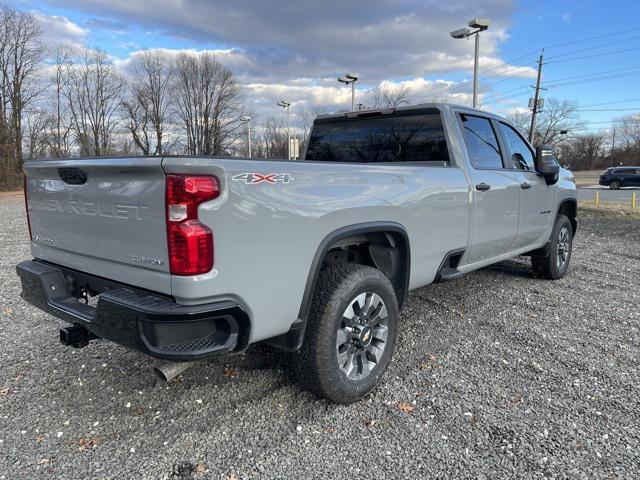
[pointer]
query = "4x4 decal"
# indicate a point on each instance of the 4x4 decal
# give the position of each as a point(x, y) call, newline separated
point(253, 178)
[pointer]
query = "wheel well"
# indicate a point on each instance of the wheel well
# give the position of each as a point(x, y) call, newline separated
point(570, 209)
point(386, 251)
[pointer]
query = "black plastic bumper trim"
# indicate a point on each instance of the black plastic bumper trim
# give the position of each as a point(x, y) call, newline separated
point(151, 323)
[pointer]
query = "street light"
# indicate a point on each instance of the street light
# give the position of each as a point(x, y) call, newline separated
point(285, 104)
point(247, 119)
point(350, 78)
point(481, 24)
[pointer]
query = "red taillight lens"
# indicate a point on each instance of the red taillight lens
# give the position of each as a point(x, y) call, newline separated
point(190, 242)
point(26, 206)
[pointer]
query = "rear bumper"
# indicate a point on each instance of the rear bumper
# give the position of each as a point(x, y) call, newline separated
point(150, 323)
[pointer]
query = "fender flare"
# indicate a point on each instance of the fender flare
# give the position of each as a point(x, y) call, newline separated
point(292, 340)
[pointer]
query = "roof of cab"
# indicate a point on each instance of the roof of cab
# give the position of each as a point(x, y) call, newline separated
point(438, 105)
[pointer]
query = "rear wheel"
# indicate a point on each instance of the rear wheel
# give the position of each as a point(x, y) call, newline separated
point(615, 184)
point(351, 333)
point(554, 266)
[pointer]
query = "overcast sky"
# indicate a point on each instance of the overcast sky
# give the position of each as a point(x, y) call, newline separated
point(295, 50)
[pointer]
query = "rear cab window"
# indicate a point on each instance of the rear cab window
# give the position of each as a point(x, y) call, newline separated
point(403, 137)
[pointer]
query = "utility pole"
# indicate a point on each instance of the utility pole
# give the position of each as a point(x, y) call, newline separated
point(613, 143)
point(536, 98)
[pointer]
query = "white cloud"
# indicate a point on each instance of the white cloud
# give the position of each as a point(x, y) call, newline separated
point(298, 51)
point(319, 39)
point(566, 17)
point(57, 29)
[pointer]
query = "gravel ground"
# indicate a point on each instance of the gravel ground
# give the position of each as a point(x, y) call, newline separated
point(497, 375)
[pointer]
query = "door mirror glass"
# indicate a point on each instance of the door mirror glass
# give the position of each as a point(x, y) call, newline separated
point(546, 164)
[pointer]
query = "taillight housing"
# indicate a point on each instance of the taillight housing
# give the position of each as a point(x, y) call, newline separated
point(26, 205)
point(190, 242)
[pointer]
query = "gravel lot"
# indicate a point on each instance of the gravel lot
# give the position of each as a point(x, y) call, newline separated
point(509, 376)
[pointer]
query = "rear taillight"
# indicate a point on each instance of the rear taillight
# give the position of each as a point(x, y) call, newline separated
point(190, 242)
point(26, 206)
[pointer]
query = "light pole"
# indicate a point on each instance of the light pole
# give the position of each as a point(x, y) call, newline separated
point(350, 78)
point(481, 24)
point(285, 104)
point(247, 119)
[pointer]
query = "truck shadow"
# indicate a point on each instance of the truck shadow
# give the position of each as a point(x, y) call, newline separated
point(514, 268)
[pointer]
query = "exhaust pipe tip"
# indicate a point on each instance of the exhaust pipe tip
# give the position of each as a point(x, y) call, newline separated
point(167, 371)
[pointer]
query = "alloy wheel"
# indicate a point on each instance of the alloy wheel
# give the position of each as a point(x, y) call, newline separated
point(362, 335)
point(564, 247)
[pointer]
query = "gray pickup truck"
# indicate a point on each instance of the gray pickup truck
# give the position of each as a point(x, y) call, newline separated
point(185, 258)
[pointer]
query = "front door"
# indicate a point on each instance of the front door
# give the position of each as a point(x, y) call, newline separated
point(496, 191)
point(536, 197)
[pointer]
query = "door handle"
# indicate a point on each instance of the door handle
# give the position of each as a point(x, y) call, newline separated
point(525, 185)
point(483, 187)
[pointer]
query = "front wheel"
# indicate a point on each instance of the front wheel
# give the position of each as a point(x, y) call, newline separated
point(554, 266)
point(351, 333)
point(615, 185)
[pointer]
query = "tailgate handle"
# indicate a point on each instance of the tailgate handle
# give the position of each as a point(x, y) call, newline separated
point(72, 175)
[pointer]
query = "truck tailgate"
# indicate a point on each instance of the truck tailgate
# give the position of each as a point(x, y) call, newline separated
point(103, 216)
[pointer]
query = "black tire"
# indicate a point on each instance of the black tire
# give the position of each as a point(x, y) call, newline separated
point(550, 266)
point(317, 364)
point(615, 185)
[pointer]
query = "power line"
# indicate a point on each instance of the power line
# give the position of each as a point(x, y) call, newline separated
point(558, 45)
point(637, 109)
point(502, 71)
point(612, 102)
point(595, 55)
point(590, 80)
point(595, 47)
point(507, 70)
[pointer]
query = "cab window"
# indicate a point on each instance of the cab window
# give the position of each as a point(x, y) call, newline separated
point(521, 156)
point(389, 138)
point(482, 144)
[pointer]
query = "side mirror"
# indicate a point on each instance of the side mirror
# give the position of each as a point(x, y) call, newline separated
point(546, 165)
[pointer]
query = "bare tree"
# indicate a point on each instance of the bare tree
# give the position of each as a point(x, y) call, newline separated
point(583, 152)
point(273, 143)
point(628, 135)
point(521, 120)
point(21, 55)
point(552, 123)
point(208, 100)
point(60, 126)
point(35, 135)
point(94, 92)
point(148, 106)
point(387, 95)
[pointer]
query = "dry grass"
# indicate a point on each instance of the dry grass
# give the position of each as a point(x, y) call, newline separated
point(610, 208)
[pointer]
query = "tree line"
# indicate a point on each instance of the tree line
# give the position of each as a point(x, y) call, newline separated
point(576, 145)
point(61, 101)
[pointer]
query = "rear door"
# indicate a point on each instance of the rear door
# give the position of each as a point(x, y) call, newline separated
point(536, 197)
point(103, 216)
point(496, 190)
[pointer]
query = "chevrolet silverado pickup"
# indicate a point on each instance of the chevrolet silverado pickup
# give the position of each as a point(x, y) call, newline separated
point(184, 258)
